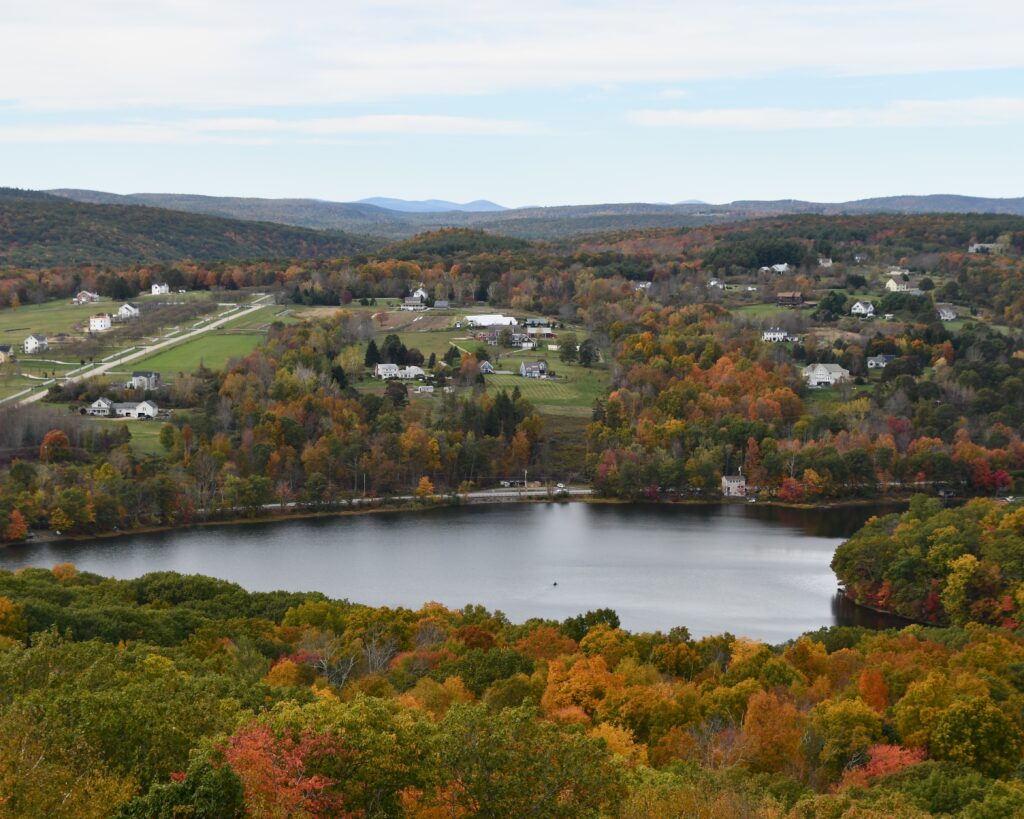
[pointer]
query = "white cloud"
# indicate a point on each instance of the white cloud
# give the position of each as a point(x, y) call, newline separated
point(260, 131)
point(977, 111)
point(242, 53)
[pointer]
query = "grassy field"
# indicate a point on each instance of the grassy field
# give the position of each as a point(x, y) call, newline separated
point(213, 350)
point(51, 318)
point(260, 319)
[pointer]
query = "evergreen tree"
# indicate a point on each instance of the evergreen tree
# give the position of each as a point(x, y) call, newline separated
point(372, 355)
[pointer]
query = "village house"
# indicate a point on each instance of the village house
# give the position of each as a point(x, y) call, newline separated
point(35, 344)
point(413, 303)
point(899, 284)
point(824, 261)
point(160, 289)
point(491, 320)
point(144, 380)
point(878, 362)
point(410, 372)
point(774, 335)
point(386, 371)
point(641, 286)
point(128, 311)
point(986, 247)
point(99, 323)
point(864, 309)
point(6, 353)
point(136, 409)
point(85, 297)
point(101, 406)
point(486, 368)
point(946, 312)
point(817, 375)
point(782, 267)
point(421, 293)
point(789, 298)
point(425, 389)
point(540, 332)
point(534, 369)
point(734, 486)
point(718, 284)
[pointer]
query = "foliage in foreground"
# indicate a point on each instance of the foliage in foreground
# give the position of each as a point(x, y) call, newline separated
point(180, 695)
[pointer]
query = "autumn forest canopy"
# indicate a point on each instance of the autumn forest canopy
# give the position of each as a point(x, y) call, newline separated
point(674, 357)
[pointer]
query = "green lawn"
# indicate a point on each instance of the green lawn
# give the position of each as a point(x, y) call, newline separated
point(213, 350)
point(260, 319)
point(51, 318)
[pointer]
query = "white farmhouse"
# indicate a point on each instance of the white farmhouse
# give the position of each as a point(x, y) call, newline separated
point(35, 344)
point(864, 309)
point(420, 293)
point(144, 380)
point(128, 311)
point(386, 371)
point(101, 406)
point(491, 320)
point(817, 375)
point(136, 409)
point(774, 335)
point(411, 372)
point(99, 323)
point(824, 261)
point(160, 289)
point(946, 313)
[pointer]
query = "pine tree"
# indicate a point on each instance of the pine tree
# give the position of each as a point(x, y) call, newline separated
point(372, 355)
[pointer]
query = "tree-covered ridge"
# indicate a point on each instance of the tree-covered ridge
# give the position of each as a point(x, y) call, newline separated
point(44, 231)
point(177, 695)
point(958, 566)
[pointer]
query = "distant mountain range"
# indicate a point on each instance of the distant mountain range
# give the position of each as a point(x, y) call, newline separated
point(401, 219)
point(431, 205)
point(41, 230)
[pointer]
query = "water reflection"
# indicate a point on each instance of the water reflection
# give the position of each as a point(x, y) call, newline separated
point(747, 569)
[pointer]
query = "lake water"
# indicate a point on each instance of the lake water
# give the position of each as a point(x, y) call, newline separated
point(755, 571)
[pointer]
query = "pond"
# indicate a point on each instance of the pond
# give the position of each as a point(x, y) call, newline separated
point(755, 571)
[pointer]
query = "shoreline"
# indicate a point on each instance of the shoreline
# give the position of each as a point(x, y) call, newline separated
point(390, 504)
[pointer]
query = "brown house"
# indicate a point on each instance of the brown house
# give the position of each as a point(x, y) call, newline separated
point(789, 299)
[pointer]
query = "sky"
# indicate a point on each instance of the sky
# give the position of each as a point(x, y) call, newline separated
point(533, 102)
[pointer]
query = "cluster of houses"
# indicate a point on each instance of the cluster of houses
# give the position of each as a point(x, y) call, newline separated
point(105, 408)
point(147, 380)
point(35, 343)
point(388, 371)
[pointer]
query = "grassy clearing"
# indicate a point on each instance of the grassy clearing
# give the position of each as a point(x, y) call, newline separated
point(51, 318)
point(212, 350)
point(260, 319)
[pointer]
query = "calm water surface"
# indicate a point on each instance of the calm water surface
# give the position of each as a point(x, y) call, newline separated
point(755, 571)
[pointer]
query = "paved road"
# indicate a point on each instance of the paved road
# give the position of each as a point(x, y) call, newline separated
point(99, 369)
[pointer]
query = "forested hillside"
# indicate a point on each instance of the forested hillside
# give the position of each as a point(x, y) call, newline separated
point(39, 230)
point(177, 695)
point(535, 222)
